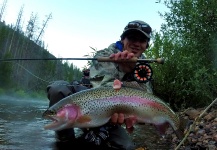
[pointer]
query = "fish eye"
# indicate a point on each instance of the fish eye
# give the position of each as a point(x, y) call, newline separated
point(51, 112)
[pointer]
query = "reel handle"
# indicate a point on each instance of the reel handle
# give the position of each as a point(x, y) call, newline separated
point(107, 59)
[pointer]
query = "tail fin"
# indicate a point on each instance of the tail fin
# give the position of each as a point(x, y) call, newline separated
point(179, 134)
point(162, 128)
point(183, 127)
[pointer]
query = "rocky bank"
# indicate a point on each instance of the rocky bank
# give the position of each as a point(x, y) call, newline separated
point(204, 134)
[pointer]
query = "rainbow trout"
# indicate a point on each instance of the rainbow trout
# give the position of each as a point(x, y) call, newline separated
point(94, 107)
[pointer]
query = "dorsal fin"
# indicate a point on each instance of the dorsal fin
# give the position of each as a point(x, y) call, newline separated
point(133, 84)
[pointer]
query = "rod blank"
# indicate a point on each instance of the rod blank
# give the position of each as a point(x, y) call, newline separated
point(100, 59)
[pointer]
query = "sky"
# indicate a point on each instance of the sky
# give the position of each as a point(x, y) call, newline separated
point(77, 25)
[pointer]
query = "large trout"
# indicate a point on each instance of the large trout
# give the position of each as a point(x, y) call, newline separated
point(94, 107)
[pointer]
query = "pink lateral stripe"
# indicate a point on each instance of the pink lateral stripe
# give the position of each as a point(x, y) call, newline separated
point(137, 100)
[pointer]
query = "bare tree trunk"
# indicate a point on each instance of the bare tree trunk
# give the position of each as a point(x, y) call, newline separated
point(32, 26)
point(3, 9)
point(18, 47)
point(44, 25)
point(17, 26)
point(17, 29)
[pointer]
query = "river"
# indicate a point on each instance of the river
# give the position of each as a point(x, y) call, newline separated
point(21, 128)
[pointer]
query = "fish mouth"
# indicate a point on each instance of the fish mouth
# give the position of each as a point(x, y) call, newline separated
point(54, 123)
point(57, 123)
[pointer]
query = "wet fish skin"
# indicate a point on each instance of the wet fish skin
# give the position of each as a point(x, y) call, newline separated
point(94, 107)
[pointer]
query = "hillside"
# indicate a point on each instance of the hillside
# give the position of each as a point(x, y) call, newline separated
point(29, 75)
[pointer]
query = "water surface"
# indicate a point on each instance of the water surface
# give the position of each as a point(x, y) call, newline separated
point(21, 128)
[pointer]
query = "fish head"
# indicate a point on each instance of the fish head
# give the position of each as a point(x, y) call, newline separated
point(62, 118)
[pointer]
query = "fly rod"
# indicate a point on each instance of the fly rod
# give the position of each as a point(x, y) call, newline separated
point(100, 59)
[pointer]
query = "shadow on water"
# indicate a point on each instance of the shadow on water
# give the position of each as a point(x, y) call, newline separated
point(21, 128)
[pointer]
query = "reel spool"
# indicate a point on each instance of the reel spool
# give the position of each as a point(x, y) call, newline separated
point(143, 72)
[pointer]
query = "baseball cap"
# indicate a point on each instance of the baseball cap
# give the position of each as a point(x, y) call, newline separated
point(137, 26)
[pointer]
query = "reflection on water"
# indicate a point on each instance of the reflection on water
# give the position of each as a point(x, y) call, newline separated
point(21, 127)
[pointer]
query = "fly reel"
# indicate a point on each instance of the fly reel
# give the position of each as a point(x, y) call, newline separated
point(143, 72)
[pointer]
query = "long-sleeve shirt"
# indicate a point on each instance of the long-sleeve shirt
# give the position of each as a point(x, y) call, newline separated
point(104, 73)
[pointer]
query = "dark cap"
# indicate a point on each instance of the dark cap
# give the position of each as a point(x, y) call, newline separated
point(137, 26)
point(86, 72)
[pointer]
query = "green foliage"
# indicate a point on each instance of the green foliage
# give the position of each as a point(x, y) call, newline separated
point(30, 76)
point(91, 55)
point(21, 93)
point(38, 95)
point(2, 91)
point(3, 35)
point(6, 72)
point(186, 41)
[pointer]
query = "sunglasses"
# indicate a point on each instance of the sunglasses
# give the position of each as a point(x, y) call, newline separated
point(134, 38)
point(136, 25)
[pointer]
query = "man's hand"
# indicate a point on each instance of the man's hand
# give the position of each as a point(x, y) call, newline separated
point(122, 55)
point(117, 118)
point(125, 67)
point(120, 119)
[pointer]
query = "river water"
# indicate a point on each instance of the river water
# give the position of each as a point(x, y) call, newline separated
point(21, 128)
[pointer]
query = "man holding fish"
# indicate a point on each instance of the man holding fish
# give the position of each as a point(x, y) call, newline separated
point(134, 41)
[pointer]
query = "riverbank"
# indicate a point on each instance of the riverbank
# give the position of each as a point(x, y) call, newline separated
point(203, 135)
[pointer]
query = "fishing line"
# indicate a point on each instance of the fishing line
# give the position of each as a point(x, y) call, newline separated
point(39, 77)
point(32, 73)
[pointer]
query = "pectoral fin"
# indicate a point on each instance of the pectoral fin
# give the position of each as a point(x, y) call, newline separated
point(84, 119)
point(117, 84)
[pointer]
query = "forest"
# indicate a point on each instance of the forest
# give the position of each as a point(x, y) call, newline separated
point(29, 77)
point(187, 41)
